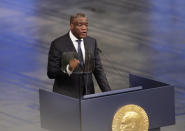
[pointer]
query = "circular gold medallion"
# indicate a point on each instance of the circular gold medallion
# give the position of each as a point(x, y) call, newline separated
point(130, 118)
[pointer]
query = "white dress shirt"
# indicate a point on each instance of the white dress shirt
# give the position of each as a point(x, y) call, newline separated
point(75, 43)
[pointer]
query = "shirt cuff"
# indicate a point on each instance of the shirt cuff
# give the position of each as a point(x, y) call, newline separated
point(68, 71)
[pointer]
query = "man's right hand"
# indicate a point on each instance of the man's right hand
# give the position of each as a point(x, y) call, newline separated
point(73, 63)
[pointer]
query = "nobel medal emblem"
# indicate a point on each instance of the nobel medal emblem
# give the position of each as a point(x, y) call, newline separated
point(130, 118)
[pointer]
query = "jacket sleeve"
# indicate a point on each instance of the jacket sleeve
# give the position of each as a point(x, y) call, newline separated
point(99, 72)
point(54, 63)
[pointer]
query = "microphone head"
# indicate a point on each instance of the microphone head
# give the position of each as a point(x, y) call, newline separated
point(99, 50)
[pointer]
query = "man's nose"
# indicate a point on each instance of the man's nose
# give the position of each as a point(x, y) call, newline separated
point(84, 27)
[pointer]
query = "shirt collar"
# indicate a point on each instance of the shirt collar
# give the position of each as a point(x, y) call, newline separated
point(72, 37)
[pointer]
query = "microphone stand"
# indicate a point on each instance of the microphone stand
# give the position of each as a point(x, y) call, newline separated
point(89, 69)
point(80, 78)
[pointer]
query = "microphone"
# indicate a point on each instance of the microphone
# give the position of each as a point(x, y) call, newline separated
point(99, 50)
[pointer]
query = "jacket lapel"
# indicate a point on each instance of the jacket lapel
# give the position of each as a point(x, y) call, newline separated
point(70, 44)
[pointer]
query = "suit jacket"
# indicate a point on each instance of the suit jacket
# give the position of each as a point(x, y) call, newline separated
point(77, 84)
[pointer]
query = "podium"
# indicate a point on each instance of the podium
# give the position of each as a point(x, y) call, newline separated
point(95, 112)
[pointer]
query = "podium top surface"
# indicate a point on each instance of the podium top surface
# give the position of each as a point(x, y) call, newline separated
point(113, 92)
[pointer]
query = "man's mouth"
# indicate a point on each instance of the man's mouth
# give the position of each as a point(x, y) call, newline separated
point(84, 33)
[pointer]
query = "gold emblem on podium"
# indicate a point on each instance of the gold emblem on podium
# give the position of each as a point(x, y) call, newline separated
point(130, 118)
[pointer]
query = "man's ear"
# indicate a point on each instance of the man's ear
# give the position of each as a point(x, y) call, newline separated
point(71, 26)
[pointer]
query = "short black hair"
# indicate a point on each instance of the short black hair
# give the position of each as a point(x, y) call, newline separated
point(74, 16)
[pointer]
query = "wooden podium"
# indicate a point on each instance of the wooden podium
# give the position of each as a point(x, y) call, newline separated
point(95, 112)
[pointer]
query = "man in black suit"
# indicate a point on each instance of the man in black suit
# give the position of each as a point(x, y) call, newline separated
point(75, 78)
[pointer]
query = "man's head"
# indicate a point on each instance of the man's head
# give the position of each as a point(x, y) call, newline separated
point(79, 25)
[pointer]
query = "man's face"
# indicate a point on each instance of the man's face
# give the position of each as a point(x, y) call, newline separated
point(79, 27)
